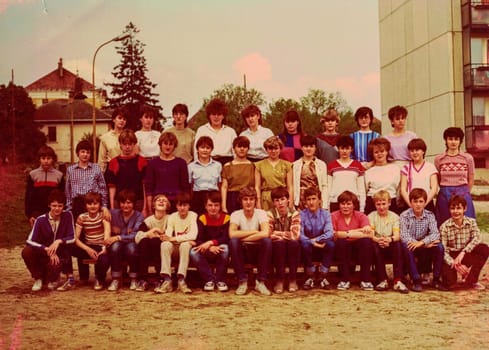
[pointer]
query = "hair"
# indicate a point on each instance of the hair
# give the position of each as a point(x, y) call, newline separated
point(249, 111)
point(291, 116)
point(241, 141)
point(378, 142)
point(362, 111)
point(417, 144)
point(183, 198)
point(216, 106)
point(397, 111)
point(205, 141)
point(180, 108)
point(122, 111)
point(128, 136)
point(312, 191)
point(213, 197)
point(308, 140)
point(168, 203)
point(345, 141)
point(280, 192)
point(46, 151)
point(348, 196)
point(417, 193)
point(457, 200)
point(247, 191)
point(273, 142)
point(93, 197)
point(453, 132)
point(84, 145)
point(330, 114)
point(126, 195)
point(381, 195)
point(148, 110)
point(56, 195)
point(168, 137)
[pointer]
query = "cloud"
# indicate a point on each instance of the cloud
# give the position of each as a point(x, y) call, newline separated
point(255, 66)
point(4, 4)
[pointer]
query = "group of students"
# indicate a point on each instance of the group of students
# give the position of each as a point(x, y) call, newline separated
point(259, 198)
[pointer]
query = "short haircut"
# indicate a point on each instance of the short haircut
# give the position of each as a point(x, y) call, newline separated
point(378, 142)
point(213, 197)
point(453, 132)
point(84, 145)
point(158, 196)
point(308, 140)
point(182, 109)
point(183, 198)
point(397, 111)
point(345, 141)
point(280, 192)
point(217, 106)
point(148, 111)
point(330, 114)
point(241, 141)
point(93, 197)
point(273, 142)
point(205, 141)
point(348, 196)
point(46, 151)
point(381, 195)
point(122, 111)
point(417, 143)
point(457, 200)
point(362, 111)
point(127, 136)
point(126, 195)
point(56, 195)
point(291, 116)
point(249, 111)
point(247, 192)
point(312, 191)
point(168, 137)
point(417, 193)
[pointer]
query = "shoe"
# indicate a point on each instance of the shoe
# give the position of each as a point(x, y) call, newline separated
point(425, 279)
point(98, 285)
point(308, 284)
point(417, 286)
point(164, 287)
point(114, 286)
point(478, 286)
point(182, 287)
point(324, 284)
point(52, 285)
point(222, 287)
point(242, 288)
point(142, 286)
point(343, 285)
point(439, 286)
point(279, 287)
point(261, 288)
point(37, 286)
point(400, 287)
point(293, 286)
point(366, 285)
point(382, 286)
point(133, 285)
point(69, 284)
point(209, 286)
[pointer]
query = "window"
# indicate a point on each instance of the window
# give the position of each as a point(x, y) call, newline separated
point(51, 134)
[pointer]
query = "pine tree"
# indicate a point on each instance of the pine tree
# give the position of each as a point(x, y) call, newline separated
point(133, 88)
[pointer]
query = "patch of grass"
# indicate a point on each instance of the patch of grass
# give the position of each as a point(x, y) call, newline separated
point(483, 221)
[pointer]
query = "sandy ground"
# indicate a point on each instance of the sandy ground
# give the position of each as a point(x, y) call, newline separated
point(85, 319)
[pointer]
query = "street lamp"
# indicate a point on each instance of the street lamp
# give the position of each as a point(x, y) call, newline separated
point(94, 117)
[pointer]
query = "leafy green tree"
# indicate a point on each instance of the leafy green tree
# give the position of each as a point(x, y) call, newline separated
point(132, 87)
point(20, 137)
point(274, 117)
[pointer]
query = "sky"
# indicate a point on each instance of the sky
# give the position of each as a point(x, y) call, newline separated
point(193, 47)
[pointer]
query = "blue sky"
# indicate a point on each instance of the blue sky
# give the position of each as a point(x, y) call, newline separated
point(193, 47)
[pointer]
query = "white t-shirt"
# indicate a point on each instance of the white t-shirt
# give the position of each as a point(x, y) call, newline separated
point(148, 143)
point(245, 224)
point(384, 177)
point(419, 178)
point(256, 141)
point(222, 139)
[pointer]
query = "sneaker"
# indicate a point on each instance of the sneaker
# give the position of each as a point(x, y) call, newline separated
point(478, 286)
point(400, 287)
point(343, 285)
point(222, 287)
point(69, 284)
point(209, 286)
point(382, 286)
point(37, 286)
point(425, 279)
point(114, 286)
point(182, 287)
point(142, 286)
point(293, 286)
point(52, 285)
point(242, 288)
point(133, 285)
point(308, 284)
point(417, 286)
point(164, 287)
point(279, 287)
point(366, 285)
point(439, 286)
point(97, 285)
point(261, 288)
point(324, 284)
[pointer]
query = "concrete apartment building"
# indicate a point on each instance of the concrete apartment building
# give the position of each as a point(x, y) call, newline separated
point(434, 57)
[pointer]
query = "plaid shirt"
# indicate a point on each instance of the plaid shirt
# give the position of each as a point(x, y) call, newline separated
point(423, 228)
point(459, 238)
point(288, 227)
point(80, 181)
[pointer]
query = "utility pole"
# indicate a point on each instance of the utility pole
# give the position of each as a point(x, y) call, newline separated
point(14, 141)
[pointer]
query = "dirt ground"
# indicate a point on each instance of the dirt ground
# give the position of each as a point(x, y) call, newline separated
point(354, 319)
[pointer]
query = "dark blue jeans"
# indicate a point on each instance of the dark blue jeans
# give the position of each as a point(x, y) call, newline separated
point(286, 251)
point(149, 252)
point(38, 262)
point(120, 252)
point(201, 261)
point(326, 253)
point(380, 254)
point(241, 252)
point(101, 266)
point(434, 255)
point(363, 249)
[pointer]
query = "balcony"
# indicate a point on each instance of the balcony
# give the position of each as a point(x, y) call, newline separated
point(475, 13)
point(476, 76)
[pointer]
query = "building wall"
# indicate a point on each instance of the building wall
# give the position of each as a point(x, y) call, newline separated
point(421, 66)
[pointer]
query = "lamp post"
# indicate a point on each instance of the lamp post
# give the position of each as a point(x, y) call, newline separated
point(94, 117)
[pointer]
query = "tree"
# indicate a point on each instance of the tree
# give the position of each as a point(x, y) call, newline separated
point(274, 117)
point(236, 98)
point(20, 138)
point(133, 88)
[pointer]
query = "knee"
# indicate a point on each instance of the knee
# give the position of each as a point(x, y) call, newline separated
point(166, 246)
point(235, 243)
point(115, 247)
point(224, 250)
point(185, 247)
point(132, 249)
